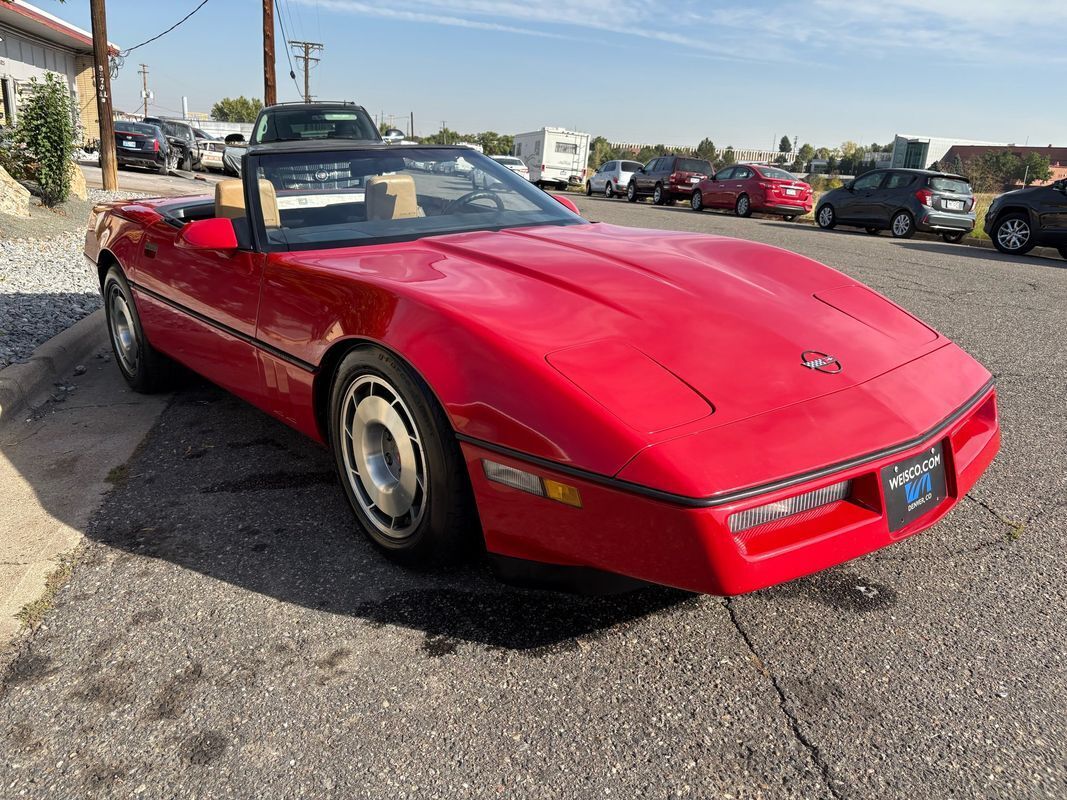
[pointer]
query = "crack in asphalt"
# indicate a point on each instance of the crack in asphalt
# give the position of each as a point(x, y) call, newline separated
point(783, 703)
point(1016, 528)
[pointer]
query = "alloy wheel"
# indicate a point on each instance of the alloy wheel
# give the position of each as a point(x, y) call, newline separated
point(385, 464)
point(696, 202)
point(826, 217)
point(901, 225)
point(122, 330)
point(1013, 234)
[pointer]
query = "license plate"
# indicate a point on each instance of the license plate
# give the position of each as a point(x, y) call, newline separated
point(694, 180)
point(953, 205)
point(131, 145)
point(914, 486)
point(791, 192)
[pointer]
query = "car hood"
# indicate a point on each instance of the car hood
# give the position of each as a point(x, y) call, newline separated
point(730, 319)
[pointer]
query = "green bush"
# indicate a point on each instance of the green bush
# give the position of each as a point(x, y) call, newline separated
point(44, 137)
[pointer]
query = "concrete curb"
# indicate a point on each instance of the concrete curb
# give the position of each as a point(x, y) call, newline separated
point(21, 383)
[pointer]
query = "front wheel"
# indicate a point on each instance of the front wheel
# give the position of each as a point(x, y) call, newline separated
point(144, 368)
point(398, 460)
point(1013, 235)
point(696, 202)
point(743, 206)
point(953, 238)
point(826, 218)
point(588, 189)
point(631, 192)
point(902, 226)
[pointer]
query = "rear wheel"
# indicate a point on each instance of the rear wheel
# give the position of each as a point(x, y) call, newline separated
point(696, 202)
point(902, 225)
point(609, 190)
point(953, 238)
point(873, 231)
point(399, 463)
point(826, 218)
point(631, 192)
point(1013, 235)
point(588, 189)
point(145, 369)
point(743, 206)
point(657, 195)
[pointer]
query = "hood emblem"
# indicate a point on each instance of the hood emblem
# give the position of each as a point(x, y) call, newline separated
point(321, 176)
point(821, 362)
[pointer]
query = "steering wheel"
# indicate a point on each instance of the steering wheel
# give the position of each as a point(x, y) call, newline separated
point(470, 197)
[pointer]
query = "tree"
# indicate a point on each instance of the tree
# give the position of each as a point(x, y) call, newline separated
point(823, 153)
point(493, 144)
point(781, 159)
point(848, 148)
point(803, 160)
point(706, 150)
point(1035, 167)
point(44, 137)
point(600, 150)
point(785, 146)
point(728, 157)
point(236, 109)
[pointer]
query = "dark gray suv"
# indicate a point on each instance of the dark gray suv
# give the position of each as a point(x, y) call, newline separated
point(1019, 221)
point(902, 201)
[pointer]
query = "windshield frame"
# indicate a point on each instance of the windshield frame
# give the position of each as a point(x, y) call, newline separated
point(261, 243)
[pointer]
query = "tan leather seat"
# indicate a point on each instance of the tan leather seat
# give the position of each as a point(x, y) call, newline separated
point(391, 197)
point(230, 201)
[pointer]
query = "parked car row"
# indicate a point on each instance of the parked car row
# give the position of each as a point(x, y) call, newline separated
point(901, 201)
point(167, 144)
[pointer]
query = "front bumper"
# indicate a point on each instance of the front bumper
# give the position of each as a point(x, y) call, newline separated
point(687, 543)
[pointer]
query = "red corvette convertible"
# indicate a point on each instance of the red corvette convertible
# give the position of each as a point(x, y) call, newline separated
point(702, 412)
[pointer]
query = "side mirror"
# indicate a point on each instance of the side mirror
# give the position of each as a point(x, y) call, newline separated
point(208, 234)
point(850, 185)
point(567, 203)
point(393, 135)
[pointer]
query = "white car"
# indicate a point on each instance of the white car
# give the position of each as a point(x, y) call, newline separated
point(516, 165)
point(612, 178)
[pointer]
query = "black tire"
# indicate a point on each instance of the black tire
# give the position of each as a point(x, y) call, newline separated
point(826, 217)
point(588, 189)
point(902, 225)
point(1013, 234)
point(658, 195)
point(631, 192)
point(696, 202)
point(443, 533)
point(953, 238)
point(872, 230)
point(609, 190)
point(1063, 252)
point(789, 217)
point(187, 162)
point(743, 206)
point(147, 370)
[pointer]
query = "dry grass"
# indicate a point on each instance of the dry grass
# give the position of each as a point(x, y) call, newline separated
point(32, 614)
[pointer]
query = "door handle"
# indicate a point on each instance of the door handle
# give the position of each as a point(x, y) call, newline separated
point(150, 249)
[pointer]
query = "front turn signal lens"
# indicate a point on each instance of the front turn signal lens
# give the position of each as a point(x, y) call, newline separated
point(532, 484)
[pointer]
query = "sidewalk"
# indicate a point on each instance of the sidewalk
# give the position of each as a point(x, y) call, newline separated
point(54, 466)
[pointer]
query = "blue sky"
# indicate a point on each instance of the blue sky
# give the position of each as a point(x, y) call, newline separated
point(671, 72)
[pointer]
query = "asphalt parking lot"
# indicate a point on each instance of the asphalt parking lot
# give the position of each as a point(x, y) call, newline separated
point(228, 634)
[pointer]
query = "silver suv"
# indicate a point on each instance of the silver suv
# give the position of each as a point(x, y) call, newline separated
point(612, 177)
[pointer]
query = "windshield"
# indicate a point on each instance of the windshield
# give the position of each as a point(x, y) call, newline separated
point(954, 185)
point(776, 174)
point(693, 165)
point(135, 127)
point(299, 124)
point(347, 197)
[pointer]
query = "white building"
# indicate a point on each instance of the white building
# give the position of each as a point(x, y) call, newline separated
point(919, 152)
point(34, 42)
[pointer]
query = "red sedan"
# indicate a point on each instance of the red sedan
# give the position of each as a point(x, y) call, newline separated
point(752, 187)
point(583, 400)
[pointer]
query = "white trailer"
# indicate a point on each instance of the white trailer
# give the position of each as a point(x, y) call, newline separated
point(555, 156)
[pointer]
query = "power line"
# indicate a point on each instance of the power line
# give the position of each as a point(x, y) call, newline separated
point(129, 50)
point(292, 72)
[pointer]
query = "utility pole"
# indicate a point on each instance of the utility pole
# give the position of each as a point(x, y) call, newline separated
point(270, 87)
point(144, 86)
point(108, 171)
point(308, 48)
point(411, 126)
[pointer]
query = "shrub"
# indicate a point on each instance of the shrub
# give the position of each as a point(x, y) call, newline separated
point(44, 137)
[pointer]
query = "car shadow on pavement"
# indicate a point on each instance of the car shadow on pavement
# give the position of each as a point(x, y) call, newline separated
point(225, 491)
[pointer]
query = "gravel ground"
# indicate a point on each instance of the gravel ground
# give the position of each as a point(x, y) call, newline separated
point(45, 285)
point(227, 634)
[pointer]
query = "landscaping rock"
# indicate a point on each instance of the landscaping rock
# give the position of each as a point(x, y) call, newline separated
point(14, 198)
point(77, 182)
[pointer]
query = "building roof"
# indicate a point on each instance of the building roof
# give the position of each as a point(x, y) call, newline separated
point(38, 23)
point(1055, 155)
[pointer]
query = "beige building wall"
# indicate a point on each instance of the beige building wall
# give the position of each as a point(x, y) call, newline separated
point(85, 97)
